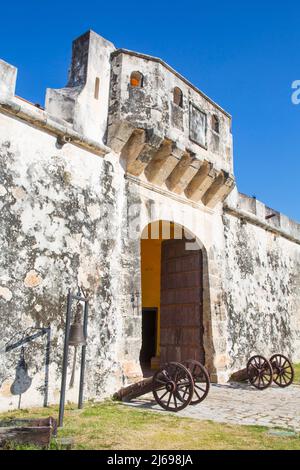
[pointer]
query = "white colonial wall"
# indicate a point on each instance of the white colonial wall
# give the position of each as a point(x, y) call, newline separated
point(261, 292)
point(56, 205)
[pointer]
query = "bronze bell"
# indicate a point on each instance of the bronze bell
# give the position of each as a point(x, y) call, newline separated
point(76, 334)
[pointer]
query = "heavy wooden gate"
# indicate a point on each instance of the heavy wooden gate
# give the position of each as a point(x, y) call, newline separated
point(181, 328)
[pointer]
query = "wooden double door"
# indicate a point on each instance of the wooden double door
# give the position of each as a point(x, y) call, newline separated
point(181, 307)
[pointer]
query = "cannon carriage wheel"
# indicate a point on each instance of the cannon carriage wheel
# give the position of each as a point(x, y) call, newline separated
point(260, 372)
point(173, 386)
point(201, 380)
point(283, 371)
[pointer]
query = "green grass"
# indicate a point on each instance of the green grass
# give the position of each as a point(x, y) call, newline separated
point(297, 373)
point(111, 425)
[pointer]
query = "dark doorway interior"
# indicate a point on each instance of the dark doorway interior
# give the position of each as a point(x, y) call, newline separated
point(148, 350)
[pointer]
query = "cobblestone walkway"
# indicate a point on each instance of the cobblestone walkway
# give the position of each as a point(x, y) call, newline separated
point(242, 404)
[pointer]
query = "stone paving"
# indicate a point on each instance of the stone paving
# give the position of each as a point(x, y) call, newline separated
point(241, 404)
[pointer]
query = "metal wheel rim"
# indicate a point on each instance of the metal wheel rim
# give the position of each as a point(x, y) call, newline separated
point(283, 371)
point(200, 376)
point(259, 371)
point(170, 382)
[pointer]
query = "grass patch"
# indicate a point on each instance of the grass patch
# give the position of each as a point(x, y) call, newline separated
point(111, 425)
point(297, 373)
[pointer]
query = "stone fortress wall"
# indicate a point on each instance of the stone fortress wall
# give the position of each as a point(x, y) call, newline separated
point(81, 179)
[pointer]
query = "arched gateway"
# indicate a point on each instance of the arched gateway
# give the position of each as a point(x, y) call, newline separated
point(172, 295)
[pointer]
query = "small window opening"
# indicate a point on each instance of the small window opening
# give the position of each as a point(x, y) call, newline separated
point(97, 86)
point(215, 124)
point(177, 96)
point(136, 79)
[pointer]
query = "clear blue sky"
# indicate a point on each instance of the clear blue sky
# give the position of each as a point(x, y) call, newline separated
point(243, 54)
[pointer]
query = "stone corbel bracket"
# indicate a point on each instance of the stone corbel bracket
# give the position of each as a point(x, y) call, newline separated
point(147, 154)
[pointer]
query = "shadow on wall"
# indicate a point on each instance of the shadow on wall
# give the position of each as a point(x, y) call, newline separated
point(23, 381)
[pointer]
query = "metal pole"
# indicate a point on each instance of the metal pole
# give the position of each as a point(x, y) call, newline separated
point(83, 352)
point(47, 364)
point(65, 363)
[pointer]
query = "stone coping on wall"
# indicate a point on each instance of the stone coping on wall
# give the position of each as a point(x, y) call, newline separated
point(255, 212)
point(55, 126)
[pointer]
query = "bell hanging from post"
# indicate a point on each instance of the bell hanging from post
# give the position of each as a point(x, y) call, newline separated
point(76, 334)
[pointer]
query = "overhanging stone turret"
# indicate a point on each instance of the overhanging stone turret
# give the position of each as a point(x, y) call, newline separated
point(175, 146)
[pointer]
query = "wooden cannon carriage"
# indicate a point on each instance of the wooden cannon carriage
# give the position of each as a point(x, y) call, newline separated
point(262, 372)
point(174, 386)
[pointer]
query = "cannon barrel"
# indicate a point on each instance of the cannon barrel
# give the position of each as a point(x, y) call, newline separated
point(134, 390)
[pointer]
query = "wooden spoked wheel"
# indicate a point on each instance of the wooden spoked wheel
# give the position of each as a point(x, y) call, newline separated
point(173, 386)
point(259, 371)
point(201, 380)
point(283, 371)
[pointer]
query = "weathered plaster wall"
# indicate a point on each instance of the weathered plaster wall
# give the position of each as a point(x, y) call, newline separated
point(58, 207)
point(261, 292)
